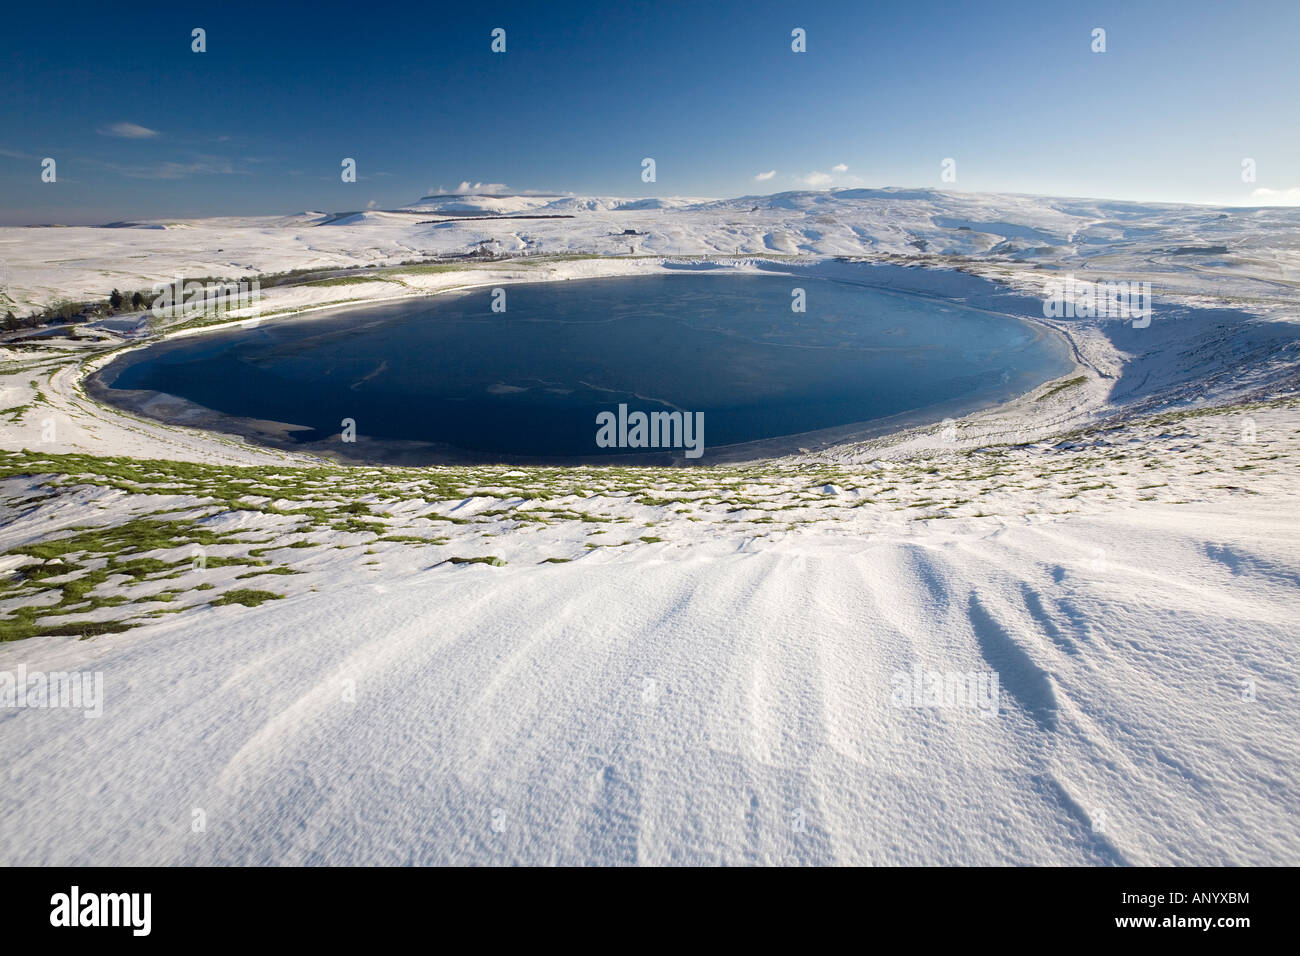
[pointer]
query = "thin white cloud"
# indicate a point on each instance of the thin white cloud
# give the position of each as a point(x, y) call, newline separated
point(1277, 197)
point(764, 177)
point(835, 178)
point(481, 188)
point(177, 170)
point(467, 188)
point(128, 131)
point(198, 166)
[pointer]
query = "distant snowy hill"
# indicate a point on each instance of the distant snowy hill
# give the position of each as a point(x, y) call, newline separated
point(1200, 249)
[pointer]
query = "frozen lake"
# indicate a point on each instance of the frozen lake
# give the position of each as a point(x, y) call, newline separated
point(448, 379)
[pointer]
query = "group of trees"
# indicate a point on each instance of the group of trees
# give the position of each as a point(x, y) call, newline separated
point(67, 310)
point(13, 323)
point(117, 299)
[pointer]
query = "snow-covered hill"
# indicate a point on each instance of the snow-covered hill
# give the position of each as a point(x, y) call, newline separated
point(330, 664)
point(1260, 247)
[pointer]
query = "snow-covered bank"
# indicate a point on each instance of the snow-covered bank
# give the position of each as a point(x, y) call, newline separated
point(708, 676)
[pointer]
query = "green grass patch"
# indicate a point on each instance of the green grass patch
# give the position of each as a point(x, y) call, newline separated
point(245, 596)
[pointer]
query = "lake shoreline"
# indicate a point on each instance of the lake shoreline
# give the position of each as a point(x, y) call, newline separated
point(174, 410)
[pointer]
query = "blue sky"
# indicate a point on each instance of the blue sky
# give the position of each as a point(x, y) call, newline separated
point(141, 127)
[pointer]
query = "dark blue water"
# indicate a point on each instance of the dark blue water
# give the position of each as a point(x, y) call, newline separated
point(529, 382)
